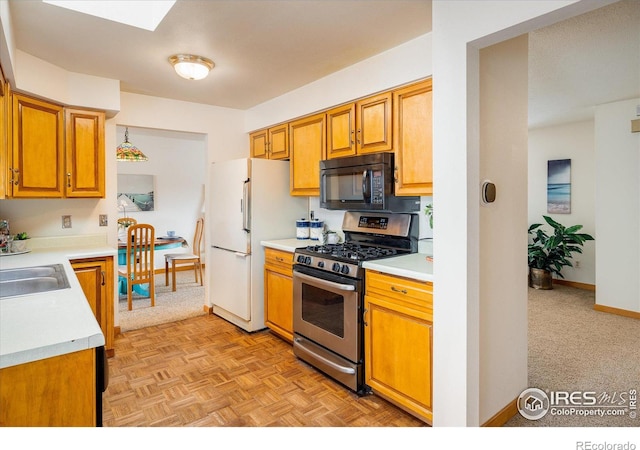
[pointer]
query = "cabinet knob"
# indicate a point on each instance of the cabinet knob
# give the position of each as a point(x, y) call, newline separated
point(364, 317)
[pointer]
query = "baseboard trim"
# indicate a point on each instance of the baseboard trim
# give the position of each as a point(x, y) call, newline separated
point(116, 330)
point(504, 415)
point(576, 284)
point(207, 309)
point(617, 311)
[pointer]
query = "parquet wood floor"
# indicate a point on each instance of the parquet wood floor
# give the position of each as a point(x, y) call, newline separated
point(205, 371)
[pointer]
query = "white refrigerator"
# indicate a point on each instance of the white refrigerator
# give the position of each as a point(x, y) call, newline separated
point(249, 203)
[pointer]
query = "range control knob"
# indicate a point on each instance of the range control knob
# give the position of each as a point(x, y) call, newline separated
point(335, 267)
point(321, 264)
point(307, 260)
point(300, 259)
point(344, 270)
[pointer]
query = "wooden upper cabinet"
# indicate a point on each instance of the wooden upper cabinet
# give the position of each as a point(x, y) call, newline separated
point(258, 144)
point(413, 126)
point(4, 137)
point(361, 127)
point(36, 167)
point(271, 143)
point(85, 162)
point(308, 148)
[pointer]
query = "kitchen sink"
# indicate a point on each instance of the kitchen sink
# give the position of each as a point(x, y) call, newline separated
point(32, 280)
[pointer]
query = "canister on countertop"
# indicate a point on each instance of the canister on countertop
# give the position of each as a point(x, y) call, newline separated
point(4, 236)
point(302, 229)
point(317, 228)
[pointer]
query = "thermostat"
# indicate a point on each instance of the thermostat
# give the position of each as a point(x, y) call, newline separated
point(488, 192)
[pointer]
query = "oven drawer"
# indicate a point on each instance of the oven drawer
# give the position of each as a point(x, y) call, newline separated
point(411, 293)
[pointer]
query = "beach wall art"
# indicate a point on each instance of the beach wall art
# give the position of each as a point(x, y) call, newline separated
point(135, 193)
point(559, 186)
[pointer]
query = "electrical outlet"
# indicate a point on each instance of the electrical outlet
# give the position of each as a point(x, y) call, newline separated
point(576, 264)
point(103, 220)
point(66, 221)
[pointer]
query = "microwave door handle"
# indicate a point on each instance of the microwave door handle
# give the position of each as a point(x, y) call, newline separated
point(366, 187)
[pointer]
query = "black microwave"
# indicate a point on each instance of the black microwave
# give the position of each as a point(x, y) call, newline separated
point(362, 183)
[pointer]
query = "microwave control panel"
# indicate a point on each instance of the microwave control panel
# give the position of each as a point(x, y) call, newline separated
point(377, 187)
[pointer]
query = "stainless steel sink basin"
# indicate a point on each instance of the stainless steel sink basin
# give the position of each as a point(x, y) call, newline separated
point(27, 272)
point(32, 280)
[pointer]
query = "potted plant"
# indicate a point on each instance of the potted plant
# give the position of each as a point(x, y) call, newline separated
point(19, 243)
point(548, 254)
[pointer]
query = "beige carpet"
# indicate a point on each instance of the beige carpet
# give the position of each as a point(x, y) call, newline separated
point(574, 348)
point(187, 301)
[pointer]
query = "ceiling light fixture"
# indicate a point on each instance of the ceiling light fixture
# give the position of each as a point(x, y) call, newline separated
point(129, 152)
point(191, 67)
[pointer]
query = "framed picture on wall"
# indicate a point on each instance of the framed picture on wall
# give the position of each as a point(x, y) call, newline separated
point(559, 186)
point(135, 192)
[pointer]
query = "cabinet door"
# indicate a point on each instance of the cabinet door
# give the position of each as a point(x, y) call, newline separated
point(374, 127)
point(279, 142)
point(398, 343)
point(258, 144)
point(341, 132)
point(308, 148)
point(278, 292)
point(52, 392)
point(278, 306)
point(37, 160)
point(5, 189)
point(413, 139)
point(85, 164)
point(96, 279)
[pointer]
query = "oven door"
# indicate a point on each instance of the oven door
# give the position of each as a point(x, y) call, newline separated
point(327, 310)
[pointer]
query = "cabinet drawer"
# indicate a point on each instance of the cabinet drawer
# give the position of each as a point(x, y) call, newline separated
point(279, 258)
point(411, 293)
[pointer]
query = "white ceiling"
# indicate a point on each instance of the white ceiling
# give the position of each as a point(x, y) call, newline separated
point(265, 48)
point(261, 49)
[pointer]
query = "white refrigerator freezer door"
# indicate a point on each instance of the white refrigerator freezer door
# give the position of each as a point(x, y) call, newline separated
point(231, 282)
point(227, 201)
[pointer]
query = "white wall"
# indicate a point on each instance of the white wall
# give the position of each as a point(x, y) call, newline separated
point(178, 162)
point(460, 29)
point(617, 161)
point(574, 141)
point(399, 65)
point(503, 160)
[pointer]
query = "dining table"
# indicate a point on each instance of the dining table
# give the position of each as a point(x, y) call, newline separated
point(160, 243)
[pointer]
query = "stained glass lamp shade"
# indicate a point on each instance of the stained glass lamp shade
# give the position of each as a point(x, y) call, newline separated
point(129, 152)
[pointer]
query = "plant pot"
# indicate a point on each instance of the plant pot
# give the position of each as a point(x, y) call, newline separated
point(540, 279)
point(18, 246)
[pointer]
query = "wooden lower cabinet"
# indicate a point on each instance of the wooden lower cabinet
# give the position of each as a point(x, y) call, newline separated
point(53, 392)
point(278, 292)
point(398, 341)
point(96, 278)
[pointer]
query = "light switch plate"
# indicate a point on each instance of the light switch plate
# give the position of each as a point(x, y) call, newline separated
point(103, 220)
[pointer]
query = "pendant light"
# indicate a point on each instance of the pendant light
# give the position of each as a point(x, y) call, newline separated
point(129, 152)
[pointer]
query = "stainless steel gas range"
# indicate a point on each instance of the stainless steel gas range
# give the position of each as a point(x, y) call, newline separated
point(328, 292)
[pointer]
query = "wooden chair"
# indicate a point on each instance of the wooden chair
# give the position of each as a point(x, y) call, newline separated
point(127, 221)
point(139, 268)
point(186, 258)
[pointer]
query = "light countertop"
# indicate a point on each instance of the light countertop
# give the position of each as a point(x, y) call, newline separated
point(413, 266)
point(43, 325)
point(289, 245)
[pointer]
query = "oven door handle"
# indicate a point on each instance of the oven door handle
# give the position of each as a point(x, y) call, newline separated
point(320, 281)
point(339, 368)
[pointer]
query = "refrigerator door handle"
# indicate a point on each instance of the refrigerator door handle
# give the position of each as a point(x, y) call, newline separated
point(246, 211)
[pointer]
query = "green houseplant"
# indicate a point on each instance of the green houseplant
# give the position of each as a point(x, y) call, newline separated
point(549, 253)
